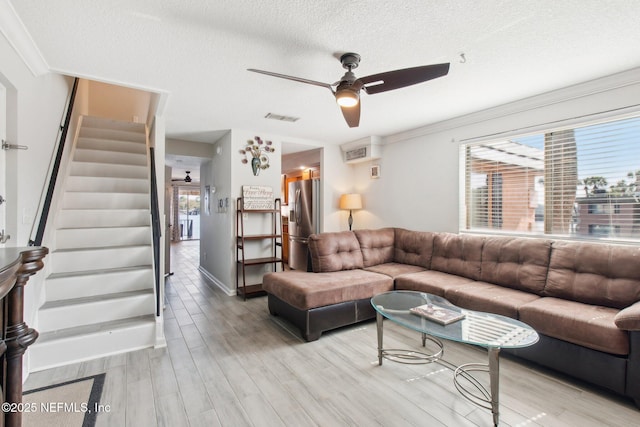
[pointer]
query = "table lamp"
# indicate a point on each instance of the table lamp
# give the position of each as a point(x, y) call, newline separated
point(350, 202)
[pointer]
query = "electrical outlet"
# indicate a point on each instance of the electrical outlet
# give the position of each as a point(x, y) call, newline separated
point(204, 255)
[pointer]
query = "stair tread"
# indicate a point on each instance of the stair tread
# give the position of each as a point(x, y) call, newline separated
point(110, 137)
point(109, 123)
point(94, 328)
point(103, 226)
point(100, 248)
point(96, 298)
point(109, 178)
point(137, 193)
point(96, 227)
point(99, 272)
point(124, 166)
point(111, 210)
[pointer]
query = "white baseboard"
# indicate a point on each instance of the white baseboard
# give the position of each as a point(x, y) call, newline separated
point(218, 283)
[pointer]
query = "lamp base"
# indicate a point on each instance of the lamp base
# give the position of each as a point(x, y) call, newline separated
point(350, 220)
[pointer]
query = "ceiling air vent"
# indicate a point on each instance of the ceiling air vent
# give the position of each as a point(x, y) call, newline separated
point(281, 117)
point(358, 153)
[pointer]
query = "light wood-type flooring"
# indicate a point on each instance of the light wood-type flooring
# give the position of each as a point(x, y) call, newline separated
point(229, 363)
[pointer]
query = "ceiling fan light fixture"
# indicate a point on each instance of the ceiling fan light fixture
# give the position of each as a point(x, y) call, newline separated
point(347, 92)
point(347, 97)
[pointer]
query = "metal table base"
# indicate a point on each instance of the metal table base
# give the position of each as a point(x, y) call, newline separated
point(465, 382)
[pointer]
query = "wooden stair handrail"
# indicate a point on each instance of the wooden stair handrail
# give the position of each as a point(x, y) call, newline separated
point(17, 265)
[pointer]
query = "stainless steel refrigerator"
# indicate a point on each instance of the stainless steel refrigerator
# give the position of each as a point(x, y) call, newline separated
point(304, 220)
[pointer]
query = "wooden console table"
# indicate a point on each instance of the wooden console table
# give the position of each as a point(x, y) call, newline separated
point(16, 266)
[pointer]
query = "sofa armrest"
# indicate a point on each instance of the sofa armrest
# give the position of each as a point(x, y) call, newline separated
point(629, 318)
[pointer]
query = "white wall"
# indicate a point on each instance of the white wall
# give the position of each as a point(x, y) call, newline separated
point(35, 111)
point(35, 107)
point(337, 178)
point(417, 188)
point(228, 174)
point(420, 170)
point(217, 228)
point(117, 102)
point(189, 148)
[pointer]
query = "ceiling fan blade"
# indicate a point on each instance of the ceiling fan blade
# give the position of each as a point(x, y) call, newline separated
point(295, 79)
point(352, 115)
point(397, 79)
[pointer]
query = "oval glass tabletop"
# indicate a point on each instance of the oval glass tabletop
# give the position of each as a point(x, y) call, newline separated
point(475, 327)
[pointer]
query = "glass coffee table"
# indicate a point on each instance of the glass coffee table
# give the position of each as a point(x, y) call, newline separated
point(487, 330)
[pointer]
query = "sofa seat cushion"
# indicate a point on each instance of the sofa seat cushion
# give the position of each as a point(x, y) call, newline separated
point(431, 282)
point(516, 262)
point(376, 245)
point(587, 325)
point(481, 296)
point(394, 269)
point(305, 290)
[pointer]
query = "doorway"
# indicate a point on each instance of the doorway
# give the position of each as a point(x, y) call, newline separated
point(188, 213)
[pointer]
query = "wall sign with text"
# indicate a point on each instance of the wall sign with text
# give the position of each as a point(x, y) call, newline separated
point(257, 197)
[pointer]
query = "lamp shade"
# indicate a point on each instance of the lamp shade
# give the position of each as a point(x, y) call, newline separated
point(350, 201)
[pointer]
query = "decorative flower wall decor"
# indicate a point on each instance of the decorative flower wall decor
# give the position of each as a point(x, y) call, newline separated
point(257, 149)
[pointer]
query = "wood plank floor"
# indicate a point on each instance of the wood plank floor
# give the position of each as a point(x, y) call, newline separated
point(229, 363)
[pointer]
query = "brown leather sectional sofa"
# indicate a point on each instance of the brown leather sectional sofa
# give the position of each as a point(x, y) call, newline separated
point(582, 298)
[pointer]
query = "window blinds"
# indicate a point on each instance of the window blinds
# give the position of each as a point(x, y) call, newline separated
point(580, 182)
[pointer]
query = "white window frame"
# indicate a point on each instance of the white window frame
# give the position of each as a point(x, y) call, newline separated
point(560, 125)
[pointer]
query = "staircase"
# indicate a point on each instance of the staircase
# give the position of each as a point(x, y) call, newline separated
point(100, 290)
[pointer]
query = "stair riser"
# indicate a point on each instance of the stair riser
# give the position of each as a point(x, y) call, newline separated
point(90, 313)
point(98, 156)
point(80, 200)
point(86, 347)
point(103, 218)
point(108, 170)
point(62, 288)
point(112, 145)
point(100, 259)
point(93, 127)
point(103, 225)
point(102, 237)
point(107, 184)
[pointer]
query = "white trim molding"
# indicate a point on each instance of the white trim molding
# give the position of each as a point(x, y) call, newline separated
point(623, 80)
point(211, 278)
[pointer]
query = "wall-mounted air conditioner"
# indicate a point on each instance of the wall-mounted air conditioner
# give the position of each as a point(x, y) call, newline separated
point(362, 150)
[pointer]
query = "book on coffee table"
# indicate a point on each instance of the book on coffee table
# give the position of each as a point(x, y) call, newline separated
point(440, 315)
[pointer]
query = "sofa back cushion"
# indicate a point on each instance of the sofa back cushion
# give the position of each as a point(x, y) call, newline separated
point(457, 254)
point(413, 247)
point(376, 245)
point(516, 263)
point(607, 275)
point(335, 252)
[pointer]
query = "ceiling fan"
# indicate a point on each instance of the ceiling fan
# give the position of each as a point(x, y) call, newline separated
point(347, 92)
point(186, 178)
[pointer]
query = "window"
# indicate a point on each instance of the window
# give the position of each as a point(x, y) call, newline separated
point(581, 182)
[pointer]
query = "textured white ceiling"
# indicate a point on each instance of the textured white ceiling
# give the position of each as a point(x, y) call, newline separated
point(199, 50)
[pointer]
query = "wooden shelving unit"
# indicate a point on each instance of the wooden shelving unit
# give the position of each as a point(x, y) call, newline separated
point(243, 253)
